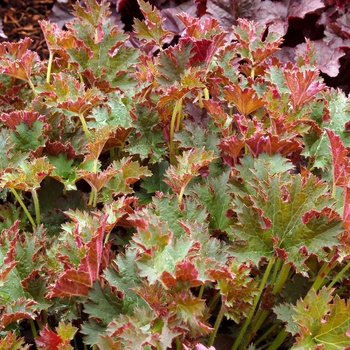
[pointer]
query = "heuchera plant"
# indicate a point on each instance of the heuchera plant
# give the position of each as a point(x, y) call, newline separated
point(193, 196)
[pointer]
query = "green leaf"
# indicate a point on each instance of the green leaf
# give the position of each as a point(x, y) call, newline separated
point(135, 331)
point(237, 289)
point(92, 330)
point(152, 265)
point(99, 48)
point(149, 145)
point(116, 112)
point(322, 320)
point(168, 211)
point(12, 342)
point(285, 313)
point(28, 139)
point(66, 331)
point(148, 141)
point(283, 211)
point(103, 304)
point(339, 115)
point(63, 166)
point(193, 312)
point(195, 136)
point(155, 182)
point(125, 276)
point(8, 157)
point(216, 198)
point(188, 166)
point(151, 30)
point(28, 175)
point(172, 62)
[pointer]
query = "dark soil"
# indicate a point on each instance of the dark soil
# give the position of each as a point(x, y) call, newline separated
point(20, 19)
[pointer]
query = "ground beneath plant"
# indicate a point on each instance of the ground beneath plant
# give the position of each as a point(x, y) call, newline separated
point(20, 19)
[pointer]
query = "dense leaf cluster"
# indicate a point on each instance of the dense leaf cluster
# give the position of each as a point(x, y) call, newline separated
point(168, 197)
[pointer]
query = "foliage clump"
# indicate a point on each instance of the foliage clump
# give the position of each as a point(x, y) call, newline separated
point(162, 198)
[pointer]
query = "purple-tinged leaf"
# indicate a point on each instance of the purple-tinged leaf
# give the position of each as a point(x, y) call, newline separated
point(227, 12)
point(276, 14)
point(329, 51)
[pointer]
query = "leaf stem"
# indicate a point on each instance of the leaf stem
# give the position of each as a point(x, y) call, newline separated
point(83, 123)
point(200, 99)
point(214, 301)
point(75, 343)
point(282, 278)
point(178, 343)
point(238, 341)
point(174, 117)
point(201, 291)
point(324, 271)
point(33, 328)
point(206, 93)
point(266, 334)
point(276, 270)
point(216, 325)
point(36, 206)
point(32, 87)
point(93, 197)
point(339, 275)
point(23, 206)
point(261, 315)
point(49, 67)
point(181, 194)
point(282, 335)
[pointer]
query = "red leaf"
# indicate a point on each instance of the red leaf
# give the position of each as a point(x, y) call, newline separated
point(221, 118)
point(202, 50)
point(48, 339)
point(341, 163)
point(246, 100)
point(187, 272)
point(302, 85)
point(13, 119)
point(10, 235)
point(232, 146)
point(16, 310)
point(197, 28)
point(268, 143)
point(15, 49)
point(57, 147)
point(22, 67)
point(346, 212)
point(79, 281)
